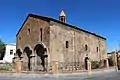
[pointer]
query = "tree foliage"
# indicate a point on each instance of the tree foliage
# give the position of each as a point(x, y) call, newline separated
point(95, 64)
point(2, 49)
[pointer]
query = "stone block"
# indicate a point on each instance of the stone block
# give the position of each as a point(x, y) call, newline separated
point(55, 67)
point(18, 66)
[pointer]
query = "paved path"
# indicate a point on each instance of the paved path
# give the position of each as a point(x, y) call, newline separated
point(99, 76)
point(108, 76)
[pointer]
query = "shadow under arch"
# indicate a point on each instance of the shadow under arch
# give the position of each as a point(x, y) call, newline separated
point(19, 53)
point(40, 51)
point(86, 64)
point(28, 52)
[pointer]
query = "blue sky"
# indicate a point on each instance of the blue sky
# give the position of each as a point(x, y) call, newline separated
point(99, 16)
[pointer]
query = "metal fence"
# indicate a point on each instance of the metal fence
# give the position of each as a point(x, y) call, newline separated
point(62, 67)
point(70, 66)
point(6, 67)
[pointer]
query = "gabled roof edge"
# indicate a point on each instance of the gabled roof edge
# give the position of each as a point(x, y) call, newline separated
point(22, 25)
point(47, 18)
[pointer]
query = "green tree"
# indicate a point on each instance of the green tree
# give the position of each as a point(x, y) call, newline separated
point(2, 49)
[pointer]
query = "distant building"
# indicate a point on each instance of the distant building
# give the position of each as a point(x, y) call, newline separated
point(9, 53)
point(109, 55)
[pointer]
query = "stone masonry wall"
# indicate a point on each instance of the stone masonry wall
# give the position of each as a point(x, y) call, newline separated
point(59, 34)
point(26, 39)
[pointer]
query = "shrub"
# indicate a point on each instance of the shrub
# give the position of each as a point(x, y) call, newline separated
point(95, 64)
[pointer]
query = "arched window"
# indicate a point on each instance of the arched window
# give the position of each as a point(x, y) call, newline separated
point(29, 30)
point(97, 49)
point(41, 33)
point(62, 18)
point(86, 47)
point(19, 38)
point(67, 44)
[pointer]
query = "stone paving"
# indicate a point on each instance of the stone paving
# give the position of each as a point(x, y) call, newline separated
point(104, 76)
point(94, 75)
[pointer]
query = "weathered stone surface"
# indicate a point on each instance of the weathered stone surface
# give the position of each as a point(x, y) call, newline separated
point(18, 66)
point(33, 38)
point(114, 59)
point(59, 34)
point(54, 37)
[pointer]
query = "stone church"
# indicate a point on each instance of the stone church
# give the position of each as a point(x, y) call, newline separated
point(42, 40)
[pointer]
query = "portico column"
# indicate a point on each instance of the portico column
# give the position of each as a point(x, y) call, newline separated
point(33, 58)
point(47, 60)
point(46, 57)
point(107, 64)
point(33, 61)
point(89, 65)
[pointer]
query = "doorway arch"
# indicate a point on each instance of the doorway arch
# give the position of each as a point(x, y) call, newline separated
point(19, 53)
point(40, 51)
point(28, 52)
point(86, 64)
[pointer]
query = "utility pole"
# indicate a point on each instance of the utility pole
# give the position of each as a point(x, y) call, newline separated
point(118, 57)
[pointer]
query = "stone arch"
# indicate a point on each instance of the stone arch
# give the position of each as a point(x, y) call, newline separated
point(40, 50)
point(19, 52)
point(86, 63)
point(27, 52)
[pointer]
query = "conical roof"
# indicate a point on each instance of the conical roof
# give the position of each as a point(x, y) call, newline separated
point(62, 13)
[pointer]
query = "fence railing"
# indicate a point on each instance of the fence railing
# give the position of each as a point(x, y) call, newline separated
point(6, 67)
point(71, 66)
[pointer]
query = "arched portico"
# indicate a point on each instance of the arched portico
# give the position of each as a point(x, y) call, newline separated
point(27, 54)
point(40, 51)
point(19, 52)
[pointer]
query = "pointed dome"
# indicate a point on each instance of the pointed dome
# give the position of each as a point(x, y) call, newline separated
point(62, 13)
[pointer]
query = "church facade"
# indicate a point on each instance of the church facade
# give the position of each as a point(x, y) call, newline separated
point(42, 40)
